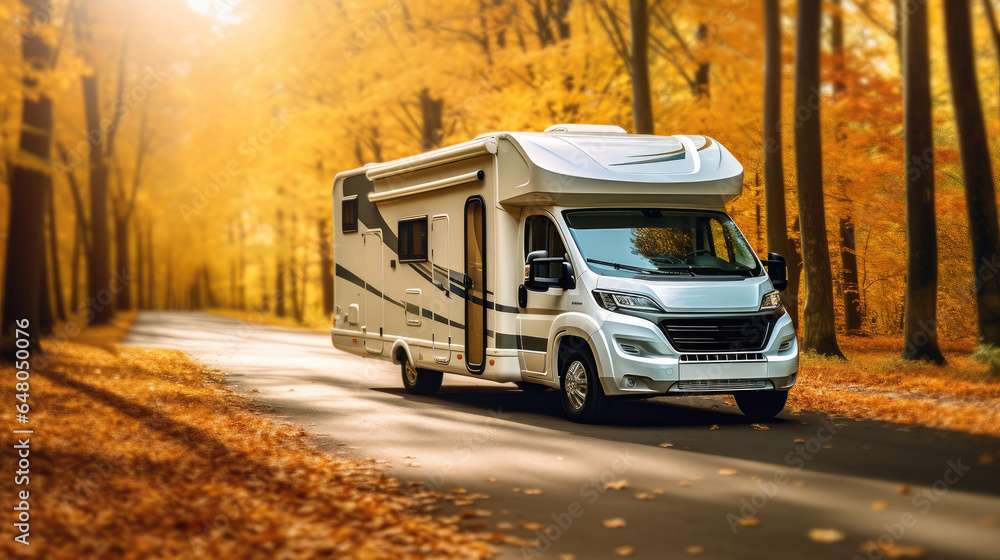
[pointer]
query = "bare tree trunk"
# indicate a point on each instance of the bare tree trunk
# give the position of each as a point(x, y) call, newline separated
point(150, 268)
point(45, 318)
point(849, 261)
point(57, 284)
point(701, 75)
point(28, 187)
point(994, 29)
point(279, 276)
point(124, 298)
point(140, 273)
point(243, 267)
point(980, 196)
point(642, 101)
point(820, 335)
point(837, 45)
point(99, 260)
point(920, 307)
point(774, 170)
point(432, 111)
point(74, 288)
point(325, 265)
point(233, 302)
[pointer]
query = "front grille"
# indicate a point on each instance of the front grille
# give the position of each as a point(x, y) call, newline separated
point(721, 384)
point(734, 357)
point(719, 334)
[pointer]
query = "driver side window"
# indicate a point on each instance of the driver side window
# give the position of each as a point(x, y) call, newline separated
point(541, 234)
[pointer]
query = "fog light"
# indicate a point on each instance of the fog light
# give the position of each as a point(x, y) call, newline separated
point(629, 382)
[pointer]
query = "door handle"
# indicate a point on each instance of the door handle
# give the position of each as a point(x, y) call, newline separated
point(469, 284)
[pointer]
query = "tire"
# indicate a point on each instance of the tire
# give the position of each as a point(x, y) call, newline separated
point(761, 405)
point(580, 390)
point(419, 381)
point(529, 387)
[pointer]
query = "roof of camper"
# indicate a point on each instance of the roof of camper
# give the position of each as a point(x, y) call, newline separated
point(628, 157)
point(594, 162)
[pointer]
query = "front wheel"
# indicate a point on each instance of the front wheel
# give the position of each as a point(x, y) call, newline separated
point(582, 397)
point(761, 405)
point(420, 381)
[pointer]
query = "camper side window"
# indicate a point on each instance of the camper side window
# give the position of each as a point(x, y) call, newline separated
point(413, 239)
point(540, 233)
point(349, 214)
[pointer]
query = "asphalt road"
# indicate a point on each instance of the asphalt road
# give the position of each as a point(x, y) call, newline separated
point(869, 481)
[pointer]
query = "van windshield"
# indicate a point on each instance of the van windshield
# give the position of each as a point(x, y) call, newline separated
point(631, 242)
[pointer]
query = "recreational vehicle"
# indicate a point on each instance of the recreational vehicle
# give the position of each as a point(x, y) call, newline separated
point(583, 259)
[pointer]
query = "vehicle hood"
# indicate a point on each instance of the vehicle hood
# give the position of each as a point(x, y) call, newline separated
point(696, 295)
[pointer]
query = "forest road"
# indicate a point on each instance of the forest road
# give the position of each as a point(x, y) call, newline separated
point(724, 487)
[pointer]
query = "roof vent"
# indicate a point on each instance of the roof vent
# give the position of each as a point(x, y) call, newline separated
point(587, 128)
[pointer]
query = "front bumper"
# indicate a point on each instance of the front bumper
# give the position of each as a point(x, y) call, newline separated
point(635, 358)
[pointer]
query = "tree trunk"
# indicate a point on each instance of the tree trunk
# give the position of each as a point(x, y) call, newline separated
point(701, 75)
point(150, 268)
point(642, 102)
point(124, 287)
point(99, 261)
point(994, 29)
point(28, 187)
point(45, 318)
point(820, 335)
point(325, 265)
point(57, 284)
point(977, 168)
point(140, 273)
point(920, 307)
point(233, 302)
point(74, 288)
point(849, 261)
point(243, 267)
point(279, 276)
point(774, 170)
point(432, 111)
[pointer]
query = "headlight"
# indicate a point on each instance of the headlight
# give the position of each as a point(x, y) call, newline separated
point(616, 301)
point(772, 302)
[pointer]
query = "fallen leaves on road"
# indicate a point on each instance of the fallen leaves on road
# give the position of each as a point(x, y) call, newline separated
point(714, 427)
point(183, 467)
point(532, 525)
point(626, 550)
point(826, 535)
point(614, 523)
point(759, 427)
point(644, 496)
point(619, 484)
point(491, 479)
point(749, 522)
point(879, 505)
point(532, 491)
point(799, 441)
point(903, 489)
point(893, 551)
point(666, 445)
point(684, 484)
point(727, 472)
point(694, 549)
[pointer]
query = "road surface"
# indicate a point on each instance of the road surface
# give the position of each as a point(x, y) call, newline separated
point(723, 487)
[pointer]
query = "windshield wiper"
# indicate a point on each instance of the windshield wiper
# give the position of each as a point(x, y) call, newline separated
point(630, 268)
point(719, 271)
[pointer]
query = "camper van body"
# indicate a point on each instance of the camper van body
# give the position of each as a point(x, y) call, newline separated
point(526, 257)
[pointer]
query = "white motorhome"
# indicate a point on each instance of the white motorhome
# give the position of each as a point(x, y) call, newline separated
point(584, 259)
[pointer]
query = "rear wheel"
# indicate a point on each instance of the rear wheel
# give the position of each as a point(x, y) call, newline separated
point(581, 394)
point(761, 405)
point(419, 381)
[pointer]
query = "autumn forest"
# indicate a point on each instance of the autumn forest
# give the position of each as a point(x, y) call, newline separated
point(172, 154)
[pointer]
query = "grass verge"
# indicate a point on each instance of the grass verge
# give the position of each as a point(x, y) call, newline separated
point(142, 453)
point(876, 384)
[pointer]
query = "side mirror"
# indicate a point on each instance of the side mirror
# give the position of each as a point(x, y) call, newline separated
point(538, 270)
point(777, 271)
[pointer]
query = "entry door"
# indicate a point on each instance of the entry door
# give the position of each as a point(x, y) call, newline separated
point(535, 320)
point(374, 302)
point(475, 284)
point(440, 301)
